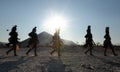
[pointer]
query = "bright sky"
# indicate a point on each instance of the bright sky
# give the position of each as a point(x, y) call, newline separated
point(78, 14)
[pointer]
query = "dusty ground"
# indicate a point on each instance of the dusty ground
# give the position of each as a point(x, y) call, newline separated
point(73, 59)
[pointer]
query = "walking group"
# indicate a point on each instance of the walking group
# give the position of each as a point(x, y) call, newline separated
point(33, 41)
point(56, 41)
point(90, 42)
point(13, 40)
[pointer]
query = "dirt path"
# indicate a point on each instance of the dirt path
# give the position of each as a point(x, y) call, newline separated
point(72, 60)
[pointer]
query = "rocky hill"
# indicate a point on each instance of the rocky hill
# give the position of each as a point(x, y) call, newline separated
point(45, 39)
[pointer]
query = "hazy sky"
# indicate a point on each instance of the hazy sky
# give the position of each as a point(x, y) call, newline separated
point(79, 13)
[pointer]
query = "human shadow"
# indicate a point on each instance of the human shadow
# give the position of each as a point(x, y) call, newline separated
point(54, 65)
point(10, 65)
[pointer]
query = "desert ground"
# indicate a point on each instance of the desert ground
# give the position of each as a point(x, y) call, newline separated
point(72, 59)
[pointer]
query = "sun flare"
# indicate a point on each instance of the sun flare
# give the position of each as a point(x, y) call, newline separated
point(54, 22)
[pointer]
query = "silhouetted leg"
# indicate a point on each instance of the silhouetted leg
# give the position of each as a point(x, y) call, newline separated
point(91, 50)
point(28, 51)
point(52, 51)
point(112, 48)
point(9, 50)
point(14, 47)
point(35, 50)
point(87, 51)
point(59, 51)
point(105, 51)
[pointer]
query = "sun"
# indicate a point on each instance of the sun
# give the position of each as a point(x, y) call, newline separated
point(55, 21)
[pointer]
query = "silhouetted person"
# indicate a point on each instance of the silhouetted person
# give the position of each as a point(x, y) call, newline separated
point(13, 40)
point(10, 40)
point(56, 42)
point(32, 44)
point(107, 42)
point(89, 40)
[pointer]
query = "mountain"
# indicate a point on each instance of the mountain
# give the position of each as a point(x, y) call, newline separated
point(45, 39)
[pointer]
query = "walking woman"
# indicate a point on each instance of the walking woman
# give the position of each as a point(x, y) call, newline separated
point(107, 42)
point(89, 40)
point(33, 41)
point(13, 40)
point(57, 43)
